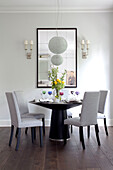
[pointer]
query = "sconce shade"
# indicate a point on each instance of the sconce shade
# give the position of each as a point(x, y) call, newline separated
point(57, 45)
point(25, 42)
point(87, 42)
point(31, 42)
point(57, 60)
point(82, 42)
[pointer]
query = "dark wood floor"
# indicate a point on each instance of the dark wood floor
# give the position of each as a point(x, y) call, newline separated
point(56, 156)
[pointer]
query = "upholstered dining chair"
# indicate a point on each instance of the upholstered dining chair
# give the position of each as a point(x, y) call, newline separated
point(88, 116)
point(23, 107)
point(100, 114)
point(21, 122)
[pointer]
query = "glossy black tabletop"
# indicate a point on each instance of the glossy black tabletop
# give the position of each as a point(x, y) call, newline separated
point(57, 106)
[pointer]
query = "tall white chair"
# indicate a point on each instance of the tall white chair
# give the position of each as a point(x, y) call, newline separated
point(21, 122)
point(100, 114)
point(88, 116)
point(23, 108)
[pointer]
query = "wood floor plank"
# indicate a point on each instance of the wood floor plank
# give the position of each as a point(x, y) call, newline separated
point(54, 155)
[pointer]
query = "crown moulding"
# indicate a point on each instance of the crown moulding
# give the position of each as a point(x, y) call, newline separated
point(23, 9)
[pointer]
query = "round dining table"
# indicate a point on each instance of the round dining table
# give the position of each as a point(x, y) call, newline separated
point(59, 113)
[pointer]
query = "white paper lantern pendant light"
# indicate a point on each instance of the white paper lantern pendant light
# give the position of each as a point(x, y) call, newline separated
point(57, 60)
point(57, 45)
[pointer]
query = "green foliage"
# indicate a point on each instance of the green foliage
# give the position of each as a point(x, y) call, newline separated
point(57, 84)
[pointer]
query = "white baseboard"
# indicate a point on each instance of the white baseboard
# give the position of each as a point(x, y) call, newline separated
point(108, 121)
point(7, 123)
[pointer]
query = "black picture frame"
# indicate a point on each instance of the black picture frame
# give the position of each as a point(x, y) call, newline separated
point(75, 52)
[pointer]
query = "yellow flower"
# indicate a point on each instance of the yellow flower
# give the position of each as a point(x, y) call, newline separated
point(55, 82)
point(62, 82)
point(59, 80)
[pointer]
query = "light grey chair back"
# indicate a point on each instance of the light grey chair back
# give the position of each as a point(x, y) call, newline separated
point(89, 108)
point(15, 117)
point(102, 100)
point(22, 104)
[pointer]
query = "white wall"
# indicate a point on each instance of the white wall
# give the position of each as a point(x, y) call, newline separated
point(18, 73)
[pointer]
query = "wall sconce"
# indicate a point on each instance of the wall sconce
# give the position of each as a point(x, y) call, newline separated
point(28, 54)
point(85, 48)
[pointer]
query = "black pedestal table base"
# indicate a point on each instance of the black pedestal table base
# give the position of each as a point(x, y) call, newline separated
point(57, 125)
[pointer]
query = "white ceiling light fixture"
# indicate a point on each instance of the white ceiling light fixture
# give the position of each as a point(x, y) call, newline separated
point(57, 60)
point(57, 44)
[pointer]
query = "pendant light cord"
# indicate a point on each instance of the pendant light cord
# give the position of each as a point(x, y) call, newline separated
point(57, 16)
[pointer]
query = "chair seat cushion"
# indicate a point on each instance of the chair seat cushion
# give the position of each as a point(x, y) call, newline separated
point(73, 121)
point(101, 116)
point(29, 122)
point(36, 115)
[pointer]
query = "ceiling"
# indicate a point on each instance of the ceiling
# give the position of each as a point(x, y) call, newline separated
point(53, 5)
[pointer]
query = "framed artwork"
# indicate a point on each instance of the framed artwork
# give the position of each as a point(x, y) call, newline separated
point(70, 78)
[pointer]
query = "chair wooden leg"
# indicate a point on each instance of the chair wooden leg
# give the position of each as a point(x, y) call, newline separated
point(97, 134)
point(80, 134)
point(41, 138)
point(71, 129)
point(32, 134)
point(88, 131)
point(82, 137)
point(71, 126)
point(18, 139)
point(26, 129)
point(16, 132)
point(43, 120)
point(105, 126)
point(11, 135)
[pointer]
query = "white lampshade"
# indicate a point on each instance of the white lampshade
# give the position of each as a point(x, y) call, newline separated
point(57, 60)
point(25, 42)
point(31, 42)
point(57, 45)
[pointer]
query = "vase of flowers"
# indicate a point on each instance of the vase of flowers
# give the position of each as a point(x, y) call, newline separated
point(57, 83)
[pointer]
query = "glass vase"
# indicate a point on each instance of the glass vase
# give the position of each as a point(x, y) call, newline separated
point(57, 96)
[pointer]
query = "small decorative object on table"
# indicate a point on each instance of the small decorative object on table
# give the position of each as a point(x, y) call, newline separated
point(43, 92)
point(57, 83)
point(50, 93)
point(61, 94)
point(77, 93)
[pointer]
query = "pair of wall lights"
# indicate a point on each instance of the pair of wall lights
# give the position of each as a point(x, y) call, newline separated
point(28, 54)
point(84, 48)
